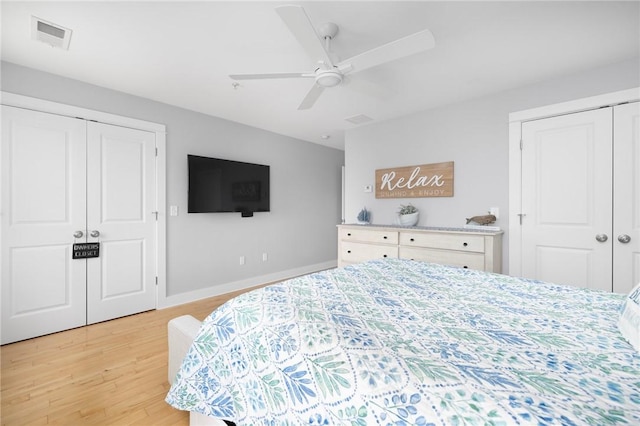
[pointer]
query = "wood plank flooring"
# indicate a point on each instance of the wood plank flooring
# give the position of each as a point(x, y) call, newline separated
point(111, 373)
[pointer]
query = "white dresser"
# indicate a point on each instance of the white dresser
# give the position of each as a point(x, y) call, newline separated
point(475, 249)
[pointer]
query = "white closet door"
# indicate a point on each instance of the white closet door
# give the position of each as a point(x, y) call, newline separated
point(567, 199)
point(43, 205)
point(626, 259)
point(121, 200)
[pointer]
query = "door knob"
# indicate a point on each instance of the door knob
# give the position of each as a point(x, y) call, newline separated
point(78, 234)
point(624, 238)
point(95, 234)
point(601, 238)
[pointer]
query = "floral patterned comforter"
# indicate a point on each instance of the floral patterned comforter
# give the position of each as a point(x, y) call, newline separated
point(396, 342)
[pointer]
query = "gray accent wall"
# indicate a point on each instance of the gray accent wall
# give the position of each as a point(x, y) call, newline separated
point(475, 136)
point(203, 250)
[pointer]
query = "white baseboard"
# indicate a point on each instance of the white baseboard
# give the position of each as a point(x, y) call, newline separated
point(192, 296)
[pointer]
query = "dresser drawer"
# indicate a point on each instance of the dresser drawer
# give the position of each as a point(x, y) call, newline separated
point(460, 242)
point(357, 252)
point(444, 257)
point(369, 236)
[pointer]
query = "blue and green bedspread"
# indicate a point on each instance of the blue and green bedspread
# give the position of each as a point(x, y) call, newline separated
point(394, 342)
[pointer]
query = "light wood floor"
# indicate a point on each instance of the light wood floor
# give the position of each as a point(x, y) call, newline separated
point(114, 372)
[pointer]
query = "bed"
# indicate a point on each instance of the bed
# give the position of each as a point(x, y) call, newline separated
point(395, 342)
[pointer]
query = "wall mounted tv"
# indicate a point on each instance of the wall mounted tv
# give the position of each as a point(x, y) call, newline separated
point(221, 186)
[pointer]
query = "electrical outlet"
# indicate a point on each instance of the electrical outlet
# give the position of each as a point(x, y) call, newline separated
point(241, 260)
point(495, 211)
point(173, 210)
point(368, 188)
point(265, 257)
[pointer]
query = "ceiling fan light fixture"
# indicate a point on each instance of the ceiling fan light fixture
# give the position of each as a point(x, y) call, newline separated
point(328, 78)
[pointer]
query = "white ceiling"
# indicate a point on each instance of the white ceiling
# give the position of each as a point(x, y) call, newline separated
point(181, 53)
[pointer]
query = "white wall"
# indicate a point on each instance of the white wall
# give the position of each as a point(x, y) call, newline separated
point(474, 135)
point(203, 250)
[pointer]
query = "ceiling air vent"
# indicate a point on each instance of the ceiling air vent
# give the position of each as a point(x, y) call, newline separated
point(359, 119)
point(50, 33)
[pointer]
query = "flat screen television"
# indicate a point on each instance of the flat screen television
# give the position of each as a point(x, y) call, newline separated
point(222, 186)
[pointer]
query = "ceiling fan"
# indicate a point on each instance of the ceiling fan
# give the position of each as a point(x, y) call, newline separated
point(327, 74)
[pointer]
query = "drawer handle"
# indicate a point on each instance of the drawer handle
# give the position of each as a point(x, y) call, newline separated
point(385, 237)
point(349, 234)
point(411, 240)
point(465, 244)
point(348, 251)
point(465, 267)
point(384, 255)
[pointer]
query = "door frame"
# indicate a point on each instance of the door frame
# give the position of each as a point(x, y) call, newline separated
point(515, 158)
point(27, 102)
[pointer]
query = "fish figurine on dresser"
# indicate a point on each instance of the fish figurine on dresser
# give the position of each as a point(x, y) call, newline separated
point(482, 220)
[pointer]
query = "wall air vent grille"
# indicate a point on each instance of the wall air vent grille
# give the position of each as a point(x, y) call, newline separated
point(359, 119)
point(50, 33)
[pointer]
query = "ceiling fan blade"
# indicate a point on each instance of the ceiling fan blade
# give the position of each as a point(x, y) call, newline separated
point(400, 48)
point(272, 75)
point(300, 25)
point(312, 97)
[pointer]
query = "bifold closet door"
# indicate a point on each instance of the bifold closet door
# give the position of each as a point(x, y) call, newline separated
point(567, 199)
point(43, 213)
point(626, 207)
point(65, 181)
point(581, 197)
point(121, 200)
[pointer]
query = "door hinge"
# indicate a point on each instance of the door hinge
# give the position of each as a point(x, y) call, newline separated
point(156, 280)
point(156, 152)
point(521, 144)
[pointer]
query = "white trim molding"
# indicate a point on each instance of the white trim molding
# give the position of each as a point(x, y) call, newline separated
point(515, 166)
point(578, 105)
point(26, 102)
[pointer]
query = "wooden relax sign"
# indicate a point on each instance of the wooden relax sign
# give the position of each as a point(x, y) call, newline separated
point(427, 180)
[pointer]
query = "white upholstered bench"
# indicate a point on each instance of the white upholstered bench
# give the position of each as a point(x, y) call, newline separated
point(181, 332)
